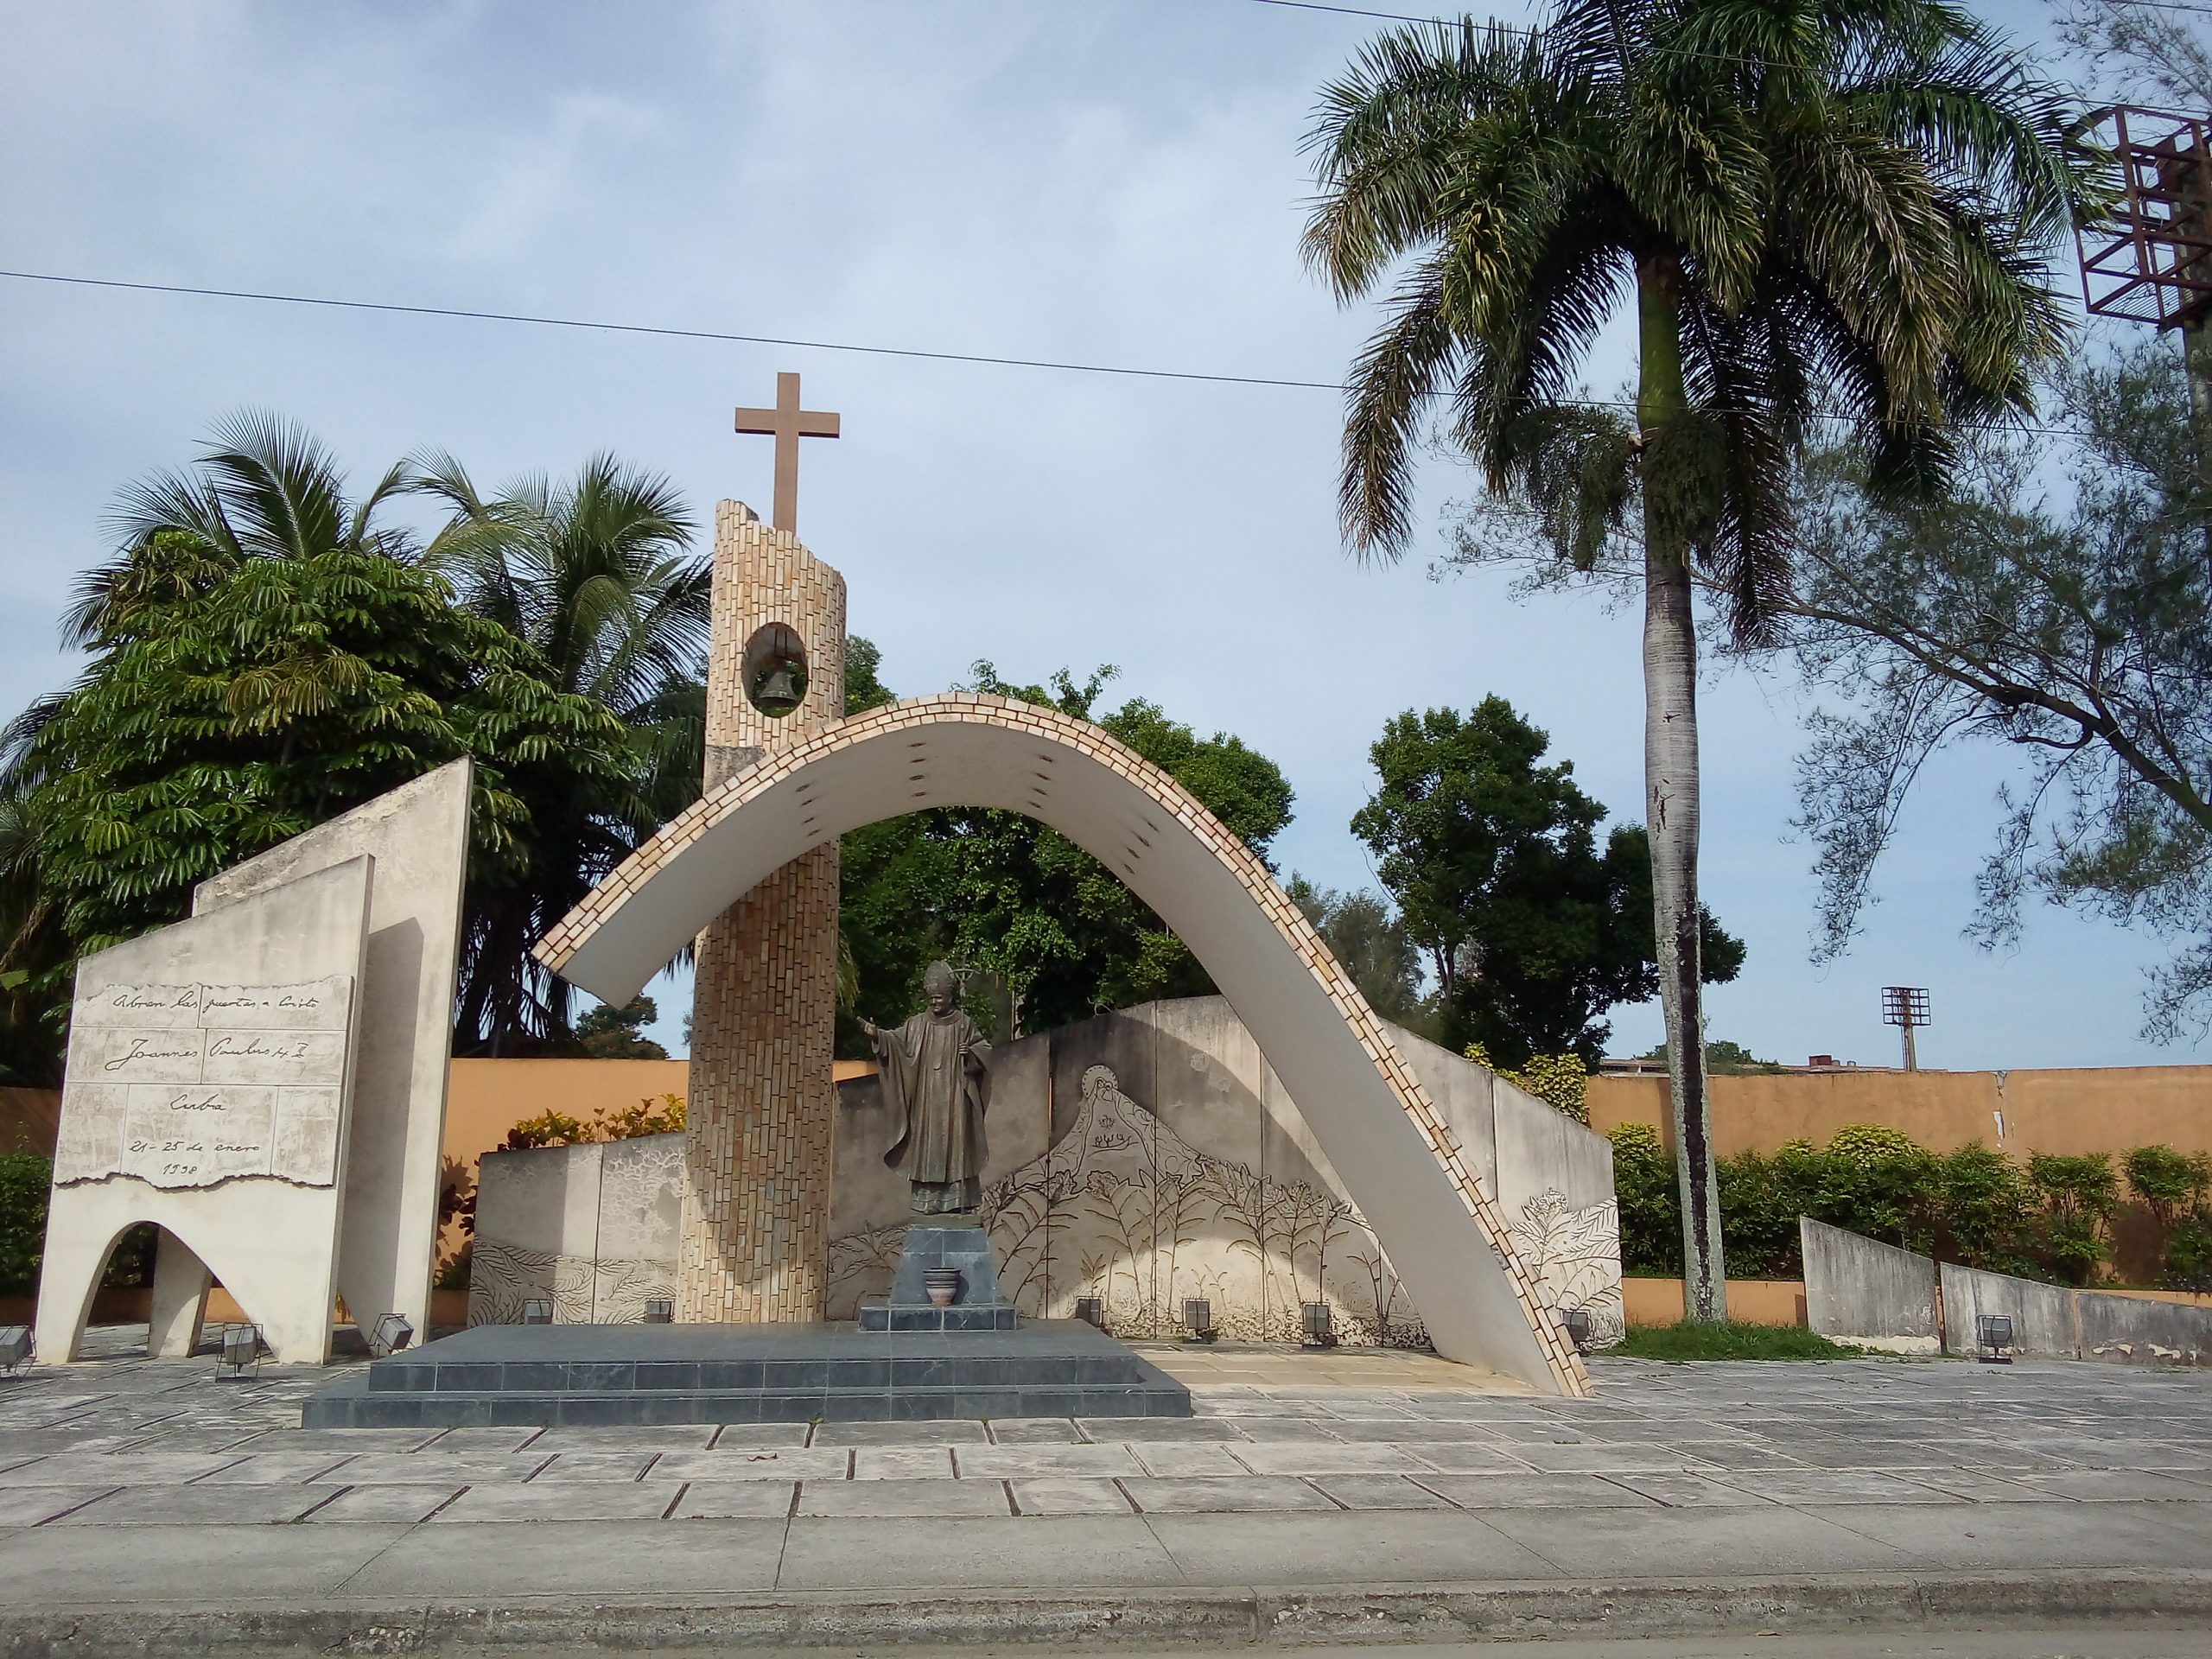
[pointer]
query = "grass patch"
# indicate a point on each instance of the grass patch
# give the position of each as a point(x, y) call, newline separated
point(1691, 1339)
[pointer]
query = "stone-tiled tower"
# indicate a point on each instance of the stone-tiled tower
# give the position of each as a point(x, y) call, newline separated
point(757, 1152)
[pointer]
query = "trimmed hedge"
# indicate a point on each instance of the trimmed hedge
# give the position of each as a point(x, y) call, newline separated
point(2049, 1218)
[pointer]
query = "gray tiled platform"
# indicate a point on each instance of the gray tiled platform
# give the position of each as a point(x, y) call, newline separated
point(127, 1482)
point(640, 1375)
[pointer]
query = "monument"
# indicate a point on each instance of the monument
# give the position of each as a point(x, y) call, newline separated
point(750, 874)
point(272, 1069)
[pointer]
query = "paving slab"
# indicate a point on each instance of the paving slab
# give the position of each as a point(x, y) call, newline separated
point(1605, 1544)
point(200, 1506)
point(569, 1559)
point(1069, 1495)
point(1214, 1494)
point(2020, 1537)
point(725, 1500)
point(759, 1463)
point(896, 1434)
point(1378, 1492)
point(902, 1462)
point(407, 1503)
point(1691, 1491)
point(1324, 1457)
point(1035, 1462)
point(903, 1497)
point(1573, 1491)
point(114, 1468)
point(1175, 1459)
point(567, 1467)
point(1034, 1431)
point(151, 1566)
point(582, 1500)
point(2116, 1485)
point(411, 1468)
point(1363, 1547)
point(1822, 1486)
point(1072, 1553)
point(644, 1440)
point(26, 1506)
point(1472, 1458)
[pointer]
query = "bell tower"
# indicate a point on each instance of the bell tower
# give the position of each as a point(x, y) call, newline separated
point(757, 1143)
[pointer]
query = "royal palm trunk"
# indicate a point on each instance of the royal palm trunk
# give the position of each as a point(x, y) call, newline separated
point(1670, 775)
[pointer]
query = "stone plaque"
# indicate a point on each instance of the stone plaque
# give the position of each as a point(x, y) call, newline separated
point(190, 1085)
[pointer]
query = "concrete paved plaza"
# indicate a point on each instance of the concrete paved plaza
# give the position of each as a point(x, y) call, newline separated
point(1314, 1487)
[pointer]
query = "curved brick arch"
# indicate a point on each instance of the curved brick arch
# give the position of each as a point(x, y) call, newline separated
point(1387, 1142)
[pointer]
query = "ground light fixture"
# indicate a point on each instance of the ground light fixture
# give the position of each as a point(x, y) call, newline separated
point(237, 1357)
point(1091, 1310)
point(1198, 1319)
point(1319, 1324)
point(660, 1310)
point(536, 1312)
point(1992, 1338)
point(392, 1333)
point(1576, 1323)
point(15, 1347)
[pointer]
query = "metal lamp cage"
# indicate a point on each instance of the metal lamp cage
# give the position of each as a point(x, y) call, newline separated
point(17, 1348)
point(660, 1310)
point(1319, 1324)
point(1992, 1338)
point(1091, 1310)
point(1198, 1319)
point(392, 1333)
point(536, 1310)
point(239, 1353)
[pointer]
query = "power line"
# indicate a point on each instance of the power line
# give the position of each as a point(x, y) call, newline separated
point(665, 332)
point(593, 325)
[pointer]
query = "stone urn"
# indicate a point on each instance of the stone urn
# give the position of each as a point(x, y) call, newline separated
point(941, 1284)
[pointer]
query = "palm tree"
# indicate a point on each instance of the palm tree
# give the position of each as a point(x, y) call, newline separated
point(596, 575)
point(1817, 207)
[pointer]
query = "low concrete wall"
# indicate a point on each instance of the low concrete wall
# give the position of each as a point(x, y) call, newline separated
point(1860, 1290)
point(2043, 1315)
point(2133, 1331)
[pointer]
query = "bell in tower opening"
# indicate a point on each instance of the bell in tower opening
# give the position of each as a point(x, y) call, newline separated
point(775, 671)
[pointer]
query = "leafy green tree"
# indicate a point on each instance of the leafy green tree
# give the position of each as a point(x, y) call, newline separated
point(610, 1033)
point(1369, 942)
point(264, 657)
point(1724, 1058)
point(2073, 627)
point(596, 575)
point(1834, 208)
point(26, 1180)
point(1059, 935)
point(1530, 931)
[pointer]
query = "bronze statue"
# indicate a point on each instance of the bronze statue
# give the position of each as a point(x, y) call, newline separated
point(937, 1081)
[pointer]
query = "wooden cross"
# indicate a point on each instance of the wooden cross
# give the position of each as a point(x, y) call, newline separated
point(787, 423)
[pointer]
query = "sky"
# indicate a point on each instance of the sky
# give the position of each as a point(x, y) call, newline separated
point(1117, 181)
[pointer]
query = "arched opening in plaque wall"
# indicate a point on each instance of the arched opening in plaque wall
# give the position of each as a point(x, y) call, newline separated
point(1388, 1143)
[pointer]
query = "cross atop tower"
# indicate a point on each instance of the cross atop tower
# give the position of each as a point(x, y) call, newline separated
point(787, 423)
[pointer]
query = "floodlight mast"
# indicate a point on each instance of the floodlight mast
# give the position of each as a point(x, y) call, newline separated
point(1906, 1007)
point(2151, 260)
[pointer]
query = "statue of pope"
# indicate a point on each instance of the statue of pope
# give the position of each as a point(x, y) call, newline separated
point(937, 1081)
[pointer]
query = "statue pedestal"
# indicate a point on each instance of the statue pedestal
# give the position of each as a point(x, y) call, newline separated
point(957, 1243)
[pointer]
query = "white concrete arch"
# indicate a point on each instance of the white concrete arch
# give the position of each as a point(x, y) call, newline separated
point(1386, 1141)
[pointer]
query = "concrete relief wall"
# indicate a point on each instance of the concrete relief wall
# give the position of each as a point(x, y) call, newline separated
point(2043, 1315)
point(591, 1228)
point(1144, 1157)
point(1152, 1155)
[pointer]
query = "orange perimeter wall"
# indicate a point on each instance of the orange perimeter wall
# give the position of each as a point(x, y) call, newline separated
point(2087, 1109)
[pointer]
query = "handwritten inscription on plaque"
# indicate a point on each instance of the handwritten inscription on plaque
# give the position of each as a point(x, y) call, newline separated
point(188, 1085)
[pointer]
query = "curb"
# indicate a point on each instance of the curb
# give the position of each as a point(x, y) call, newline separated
point(1226, 1617)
